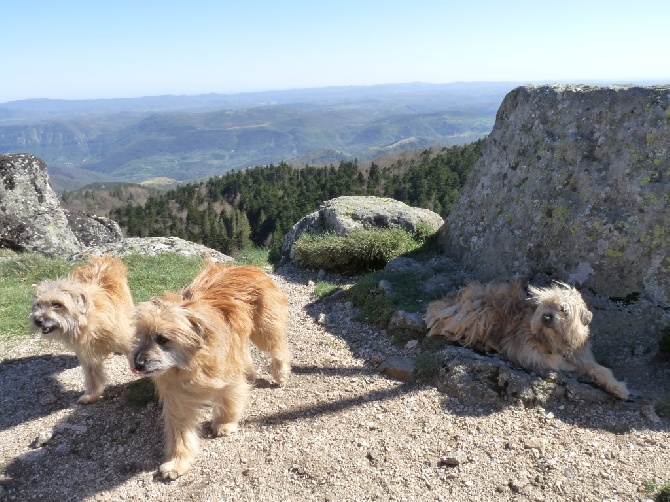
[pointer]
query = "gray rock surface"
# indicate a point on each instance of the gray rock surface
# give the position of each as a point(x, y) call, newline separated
point(153, 246)
point(574, 182)
point(344, 214)
point(92, 230)
point(31, 218)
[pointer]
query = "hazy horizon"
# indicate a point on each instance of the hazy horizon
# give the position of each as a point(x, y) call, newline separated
point(82, 50)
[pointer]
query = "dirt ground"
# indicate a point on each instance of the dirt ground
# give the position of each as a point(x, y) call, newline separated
point(339, 430)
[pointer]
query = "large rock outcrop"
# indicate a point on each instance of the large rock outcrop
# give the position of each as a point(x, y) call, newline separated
point(344, 214)
point(31, 218)
point(574, 182)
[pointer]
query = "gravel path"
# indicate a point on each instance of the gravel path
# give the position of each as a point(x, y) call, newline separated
point(338, 431)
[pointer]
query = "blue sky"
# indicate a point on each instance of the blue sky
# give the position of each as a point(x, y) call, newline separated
point(73, 49)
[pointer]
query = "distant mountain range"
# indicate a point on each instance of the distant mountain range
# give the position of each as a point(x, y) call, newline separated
point(193, 137)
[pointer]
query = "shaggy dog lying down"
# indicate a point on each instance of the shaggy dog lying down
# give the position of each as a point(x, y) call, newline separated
point(547, 331)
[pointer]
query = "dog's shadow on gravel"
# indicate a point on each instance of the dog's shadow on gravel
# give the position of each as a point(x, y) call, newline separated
point(86, 451)
point(30, 390)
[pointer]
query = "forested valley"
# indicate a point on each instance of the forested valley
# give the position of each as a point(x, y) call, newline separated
point(257, 206)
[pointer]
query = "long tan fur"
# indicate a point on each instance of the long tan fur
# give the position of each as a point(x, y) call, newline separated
point(547, 331)
point(90, 311)
point(195, 346)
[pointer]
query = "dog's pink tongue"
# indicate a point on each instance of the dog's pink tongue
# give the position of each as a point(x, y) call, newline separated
point(137, 372)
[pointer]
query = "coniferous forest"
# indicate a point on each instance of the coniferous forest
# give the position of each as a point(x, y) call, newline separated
point(257, 206)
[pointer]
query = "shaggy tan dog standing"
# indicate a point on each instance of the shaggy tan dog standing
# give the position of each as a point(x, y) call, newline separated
point(90, 311)
point(548, 331)
point(195, 346)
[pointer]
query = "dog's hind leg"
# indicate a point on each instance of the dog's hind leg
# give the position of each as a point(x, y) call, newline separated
point(229, 406)
point(273, 342)
point(94, 381)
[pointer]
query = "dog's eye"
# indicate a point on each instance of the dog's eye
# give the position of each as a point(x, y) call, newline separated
point(564, 308)
point(56, 305)
point(161, 339)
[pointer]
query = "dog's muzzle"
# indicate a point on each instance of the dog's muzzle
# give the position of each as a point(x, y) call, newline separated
point(46, 326)
point(547, 318)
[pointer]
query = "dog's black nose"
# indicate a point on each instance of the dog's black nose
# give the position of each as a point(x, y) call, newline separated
point(38, 321)
point(547, 317)
point(140, 362)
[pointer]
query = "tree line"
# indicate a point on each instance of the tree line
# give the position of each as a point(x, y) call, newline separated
point(257, 206)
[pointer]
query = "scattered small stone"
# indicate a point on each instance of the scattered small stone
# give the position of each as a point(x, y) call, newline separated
point(48, 399)
point(456, 458)
point(411, 345)
point(42, 438)
point(385, 287)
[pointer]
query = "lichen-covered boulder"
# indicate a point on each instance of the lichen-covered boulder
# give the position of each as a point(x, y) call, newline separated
point(31, 218)
point(574, 182)
point(344, 214)
point(93, 230)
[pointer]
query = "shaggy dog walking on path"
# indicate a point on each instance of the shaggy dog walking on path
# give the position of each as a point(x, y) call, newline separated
point(195, 346)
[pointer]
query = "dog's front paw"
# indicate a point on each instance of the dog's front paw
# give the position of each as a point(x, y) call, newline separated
point(619, 390)
point(224, 429)
point(174, 468)
point(89, 398)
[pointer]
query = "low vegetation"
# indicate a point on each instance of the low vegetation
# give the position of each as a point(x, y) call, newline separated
point(661, 493)
point(358, 251)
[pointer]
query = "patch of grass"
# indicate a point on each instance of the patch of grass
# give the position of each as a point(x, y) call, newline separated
point(662, 408)
point(323, 289)
point(664, 343)
point(434, 343)
point(661, 492)
point(19, 274)
point(427, 366)
point(150, 276)
point(256, 256)
point(375, 307)
point(141, 392)
point(358, 251)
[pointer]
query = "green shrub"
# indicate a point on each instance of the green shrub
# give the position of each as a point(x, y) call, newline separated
point(663, 494)
point(427, 366)
point(358, 251)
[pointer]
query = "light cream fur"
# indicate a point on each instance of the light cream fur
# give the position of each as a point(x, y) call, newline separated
point(546, 331)
point(195, 346)
point(90, 311)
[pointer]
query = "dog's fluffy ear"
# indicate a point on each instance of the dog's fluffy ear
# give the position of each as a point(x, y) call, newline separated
point(81, 300)
point(586, 316)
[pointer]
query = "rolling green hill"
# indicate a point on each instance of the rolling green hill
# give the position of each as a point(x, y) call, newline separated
point(190, 138)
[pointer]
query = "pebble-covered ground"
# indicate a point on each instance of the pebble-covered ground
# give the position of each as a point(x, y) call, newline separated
point(338, 431)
